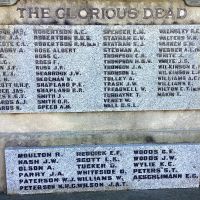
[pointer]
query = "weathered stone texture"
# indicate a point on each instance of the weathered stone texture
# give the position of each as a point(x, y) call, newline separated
point(142, 127)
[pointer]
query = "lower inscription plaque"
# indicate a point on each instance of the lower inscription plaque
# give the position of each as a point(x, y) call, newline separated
point(101, 167)
point(99, 68)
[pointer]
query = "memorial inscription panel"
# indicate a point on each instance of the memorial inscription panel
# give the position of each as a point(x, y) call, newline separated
point(100, 168)
point(99, 68)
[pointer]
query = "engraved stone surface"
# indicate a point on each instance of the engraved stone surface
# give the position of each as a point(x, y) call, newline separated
point(99, 68)
point(20, 130)
point(102, 167)
point(100, 12)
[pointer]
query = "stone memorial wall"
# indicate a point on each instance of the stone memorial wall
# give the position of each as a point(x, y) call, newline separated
point(64, 64)
point(99, 68)
point(100, 168)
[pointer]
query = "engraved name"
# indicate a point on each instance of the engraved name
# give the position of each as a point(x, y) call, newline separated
point(100, 168)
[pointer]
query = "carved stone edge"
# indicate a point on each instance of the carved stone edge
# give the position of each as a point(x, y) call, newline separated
point(8, 3)
point(192, 2)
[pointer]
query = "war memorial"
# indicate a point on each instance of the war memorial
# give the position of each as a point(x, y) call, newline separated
point(99, 96)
